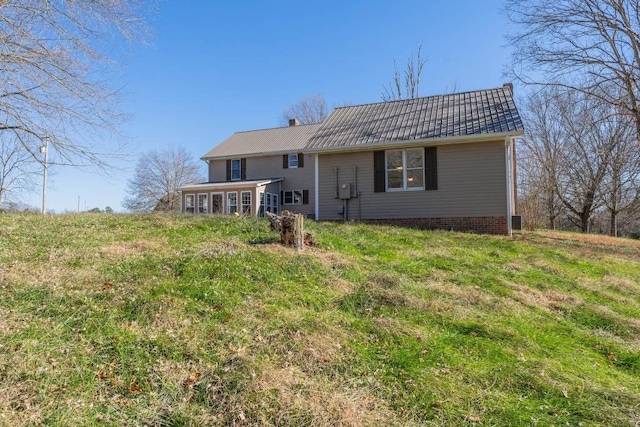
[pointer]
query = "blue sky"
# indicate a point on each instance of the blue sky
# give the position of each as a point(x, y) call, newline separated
point(214, 68)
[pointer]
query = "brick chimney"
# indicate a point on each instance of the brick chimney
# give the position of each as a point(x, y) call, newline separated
point(508, 86)
point(293, 122)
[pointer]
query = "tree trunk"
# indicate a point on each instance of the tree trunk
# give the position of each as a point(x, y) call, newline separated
point(290, 226)
point(613, 230)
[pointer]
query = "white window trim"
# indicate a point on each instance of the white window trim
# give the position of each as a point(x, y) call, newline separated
point(239, 169)
point(228, 204)
point(289, 161)
point(242, 205)
point(217, 193)
point(193, 202)
point(404, 172)
point(274, 203)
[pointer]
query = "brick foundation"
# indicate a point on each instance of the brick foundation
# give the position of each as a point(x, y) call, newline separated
point(480, 225)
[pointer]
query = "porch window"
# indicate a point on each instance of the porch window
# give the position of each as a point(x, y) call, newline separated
point(203, 203)
point(189, 200)
point(246, 202)
point(232, 202)
point(261, 208)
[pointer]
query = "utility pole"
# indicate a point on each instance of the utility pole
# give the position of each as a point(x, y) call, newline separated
point(45, 149)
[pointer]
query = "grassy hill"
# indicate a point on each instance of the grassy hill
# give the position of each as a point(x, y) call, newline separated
point(193, 321)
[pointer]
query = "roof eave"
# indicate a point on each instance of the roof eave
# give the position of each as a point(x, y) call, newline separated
point(261, 154)
point(449, 140)
point(229, 184)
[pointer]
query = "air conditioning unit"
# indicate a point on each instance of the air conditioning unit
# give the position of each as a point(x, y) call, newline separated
point(516, 222)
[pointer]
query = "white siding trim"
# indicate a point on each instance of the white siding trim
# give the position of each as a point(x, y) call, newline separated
point(316, 193)
point(508, 142)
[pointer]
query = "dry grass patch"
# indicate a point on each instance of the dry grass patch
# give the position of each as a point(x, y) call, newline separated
point(129, 249)
point(341, 286)
point(55, 278)
point(549, 300)
point(595, 239)
point(469, 300)
point(299, 399)
point(621, 284)
point(219, 248)
point(18, 407)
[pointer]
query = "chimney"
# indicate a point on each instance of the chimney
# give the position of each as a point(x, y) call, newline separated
point(509, 87)
point(293, 122)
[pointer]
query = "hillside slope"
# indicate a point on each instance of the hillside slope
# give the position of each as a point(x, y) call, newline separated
point(181, 320)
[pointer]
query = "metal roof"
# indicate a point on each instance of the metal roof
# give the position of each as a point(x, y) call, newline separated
point(276, 140)
point(455, 115)
point(476, 113)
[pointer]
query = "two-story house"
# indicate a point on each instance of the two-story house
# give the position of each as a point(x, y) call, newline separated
point(443, 161)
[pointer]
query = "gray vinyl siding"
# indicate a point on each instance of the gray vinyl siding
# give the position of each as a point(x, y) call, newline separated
point(471, 183)
point(271, 167)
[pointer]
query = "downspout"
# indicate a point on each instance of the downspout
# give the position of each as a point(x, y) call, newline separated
point(508, 142)
point(316, 192)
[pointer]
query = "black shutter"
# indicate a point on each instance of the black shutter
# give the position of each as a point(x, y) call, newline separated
point(305, 197)
point(228, 170)
point(282, 197)
point(285, 161)
point(300, 160)
point(243, 168)
point(378, 172)
point(431, 165)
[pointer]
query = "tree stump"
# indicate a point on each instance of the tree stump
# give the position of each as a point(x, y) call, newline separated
point(290, 226)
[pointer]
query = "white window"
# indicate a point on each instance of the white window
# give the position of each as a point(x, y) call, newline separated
point(189, 203)
point(293, 161)
point(405, 169)
point(232, 202)
point(245, 198)
point(236, 169)
point(293, 197)
point(203, 203)
point(271, 202)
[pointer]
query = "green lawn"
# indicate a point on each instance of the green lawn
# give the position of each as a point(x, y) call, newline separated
point(194, 321)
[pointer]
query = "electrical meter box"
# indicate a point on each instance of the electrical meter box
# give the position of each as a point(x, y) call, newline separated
point(344, 191)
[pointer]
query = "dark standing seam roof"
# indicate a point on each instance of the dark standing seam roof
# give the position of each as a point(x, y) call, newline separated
point(470, 113)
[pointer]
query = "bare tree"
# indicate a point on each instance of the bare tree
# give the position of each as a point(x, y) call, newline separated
point(406, 85)
point(56, 59)
point(17, 169)
point(309, 110)
point(540, 157)
point(591, 46)
point(621, 192)
point(158, 176)
point(591, 136)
